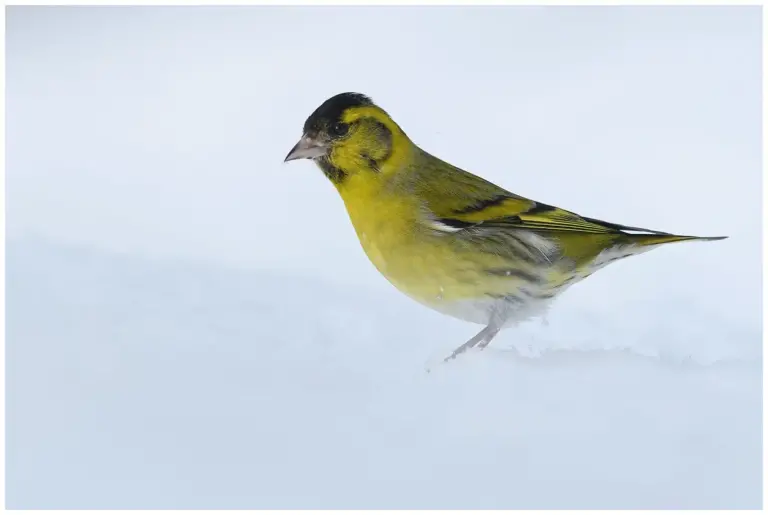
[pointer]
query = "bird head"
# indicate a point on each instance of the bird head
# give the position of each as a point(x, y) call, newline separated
point(348, 135)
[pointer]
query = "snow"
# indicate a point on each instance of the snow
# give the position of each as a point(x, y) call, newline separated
point(172, 343)
point(140, 384)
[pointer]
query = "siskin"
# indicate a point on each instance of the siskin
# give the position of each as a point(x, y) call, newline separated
point(449, 239)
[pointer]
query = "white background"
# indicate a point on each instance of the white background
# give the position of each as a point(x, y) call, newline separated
point(192, 323)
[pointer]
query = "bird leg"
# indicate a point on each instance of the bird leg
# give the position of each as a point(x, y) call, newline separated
point(481, 340)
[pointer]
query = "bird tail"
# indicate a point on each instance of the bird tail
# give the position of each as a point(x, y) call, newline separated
point(660, 239)
point(647, 237)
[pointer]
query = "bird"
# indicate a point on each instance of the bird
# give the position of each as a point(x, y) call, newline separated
point(450, 239)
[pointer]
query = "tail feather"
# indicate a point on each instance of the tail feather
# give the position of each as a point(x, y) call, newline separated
point(659, 239)
point(639, 236)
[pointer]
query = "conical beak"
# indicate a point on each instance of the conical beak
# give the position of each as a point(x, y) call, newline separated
point(306, 148)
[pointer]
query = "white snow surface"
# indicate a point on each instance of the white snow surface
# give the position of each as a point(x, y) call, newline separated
point(138, 384)
point(192, 324)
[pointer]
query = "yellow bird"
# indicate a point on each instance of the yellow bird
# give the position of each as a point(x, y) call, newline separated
point(449, 239)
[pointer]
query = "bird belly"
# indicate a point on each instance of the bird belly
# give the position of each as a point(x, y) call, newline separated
point(440, 272)
point(454, 284)
point(483, 309)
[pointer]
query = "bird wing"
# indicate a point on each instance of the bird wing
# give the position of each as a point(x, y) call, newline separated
point(517, 212)
point(474, 201)
point(459, 200)
point(526, 230)
point(504, 224)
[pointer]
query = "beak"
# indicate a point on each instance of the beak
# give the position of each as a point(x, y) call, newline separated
point(306, 148)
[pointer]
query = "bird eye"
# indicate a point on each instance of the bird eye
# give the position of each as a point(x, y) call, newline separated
point(339, 129)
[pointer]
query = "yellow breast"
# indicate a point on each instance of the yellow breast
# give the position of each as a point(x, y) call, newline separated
point(422, 265)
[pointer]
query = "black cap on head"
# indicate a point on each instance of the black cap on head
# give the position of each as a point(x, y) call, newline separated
point(331, 110)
